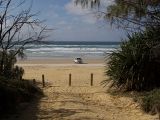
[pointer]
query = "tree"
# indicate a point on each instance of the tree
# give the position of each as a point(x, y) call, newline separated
point(136, 64)
point(88, 3)
point(129, 14)
point(137, 14)
point(18, 27)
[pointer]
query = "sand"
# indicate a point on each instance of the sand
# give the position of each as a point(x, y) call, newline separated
point(80, 101)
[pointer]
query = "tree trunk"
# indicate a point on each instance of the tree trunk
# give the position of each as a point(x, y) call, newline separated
point(2, 63)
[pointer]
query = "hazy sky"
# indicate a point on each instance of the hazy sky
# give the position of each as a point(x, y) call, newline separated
point(72, 23)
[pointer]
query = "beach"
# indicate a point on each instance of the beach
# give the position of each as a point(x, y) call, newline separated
point(79, 60)
point(80, 101)
point(58, 70)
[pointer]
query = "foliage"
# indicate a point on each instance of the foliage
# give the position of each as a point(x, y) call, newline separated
point(137, 14)
point(14, 92)
point(9, 70)
point(151, 102)
point(148, 101)
point(128, 14)
point(87, 3)
point(136, 66)
point(18, 27)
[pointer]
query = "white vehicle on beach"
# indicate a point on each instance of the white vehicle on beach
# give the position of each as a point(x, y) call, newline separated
point(78, 60)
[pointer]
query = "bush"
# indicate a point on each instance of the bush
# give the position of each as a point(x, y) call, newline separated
point(7, 65)
point(136, 66)
point(13, 92)
point(151, 102)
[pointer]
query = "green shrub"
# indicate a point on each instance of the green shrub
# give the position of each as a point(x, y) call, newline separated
point(14, 92)
point(136, 66)
point(7, 65)
point(151, 102)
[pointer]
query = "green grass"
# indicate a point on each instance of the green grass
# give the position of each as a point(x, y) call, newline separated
point(151, 102)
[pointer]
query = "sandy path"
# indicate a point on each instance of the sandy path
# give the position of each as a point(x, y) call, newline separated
point(79, 102)
point(82, 103)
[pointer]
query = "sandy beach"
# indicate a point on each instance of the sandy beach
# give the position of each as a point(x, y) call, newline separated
point(57, 71)
point(80, 101)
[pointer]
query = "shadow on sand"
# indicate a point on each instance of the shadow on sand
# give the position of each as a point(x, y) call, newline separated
point(25, 111)
point(60, 114)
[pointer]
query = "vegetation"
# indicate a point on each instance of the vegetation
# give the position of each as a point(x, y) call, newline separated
point(14, 92)
point(18, 27)
point(148, 100)
point(137, 14)
point(128, 14)
point(135, 66)
point(11, 71)
point(151, 102)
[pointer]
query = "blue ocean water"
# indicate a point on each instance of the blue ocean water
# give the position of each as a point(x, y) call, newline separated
point(71, 49)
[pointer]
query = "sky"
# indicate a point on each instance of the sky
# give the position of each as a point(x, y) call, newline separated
point(72, 23)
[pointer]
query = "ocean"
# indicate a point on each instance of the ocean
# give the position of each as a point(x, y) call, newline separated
point(70, 49)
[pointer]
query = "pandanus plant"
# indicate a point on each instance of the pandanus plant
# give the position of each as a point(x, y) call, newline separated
point(136, 65)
